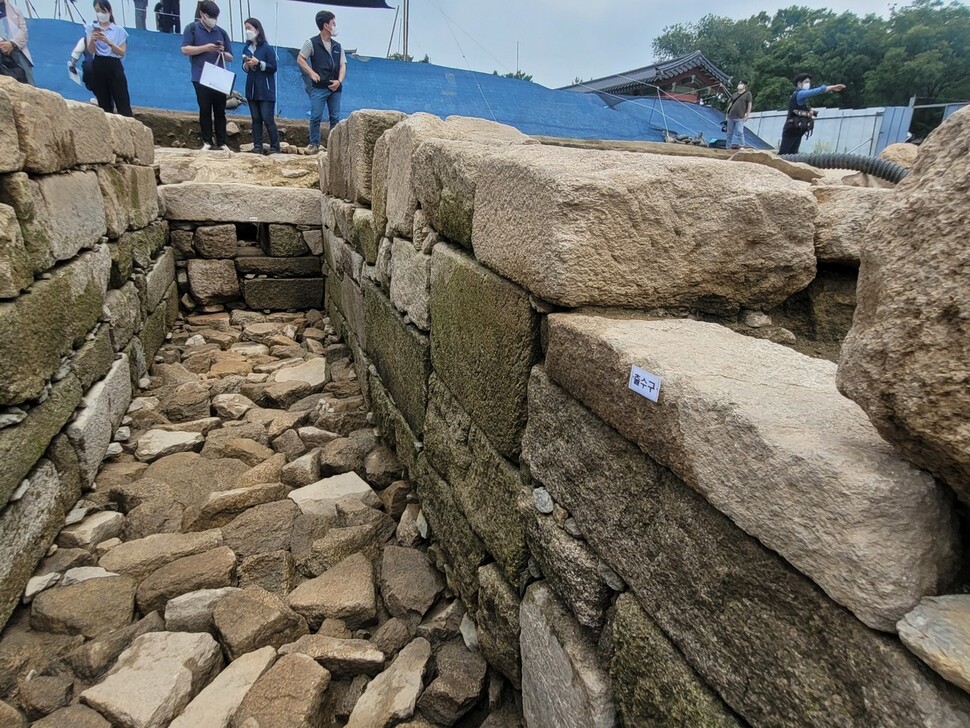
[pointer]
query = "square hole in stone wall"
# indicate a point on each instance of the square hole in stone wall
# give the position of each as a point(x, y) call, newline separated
point(248, 232)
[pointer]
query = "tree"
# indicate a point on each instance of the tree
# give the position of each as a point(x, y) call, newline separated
point(409, 58)
point(922, 50)
point(518, 75)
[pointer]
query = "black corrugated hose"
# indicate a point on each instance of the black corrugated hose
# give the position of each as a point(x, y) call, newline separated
point(882, 168)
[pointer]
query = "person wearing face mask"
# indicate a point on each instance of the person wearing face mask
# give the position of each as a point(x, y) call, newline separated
point(259, 63)
point(322, 58)
point(801, 119)
point(108, 43)
point(738, 112)
point(204, 41)
point(13, 43)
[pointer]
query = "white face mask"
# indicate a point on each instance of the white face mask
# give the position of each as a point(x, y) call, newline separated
point(741, 88)
point(251, 34)
point(103, 17)
point(209, 23)
point(806, 85)
point(333, 32)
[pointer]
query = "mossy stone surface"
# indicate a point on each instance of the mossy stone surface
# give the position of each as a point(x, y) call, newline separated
point(391, 423)
point(401, 354)
point(146, 243)
point(487, 487)
point(652, 682)
point(48, 322)
point(22, 445)
point(93, 360)
point(497, 618)
point(484, 341)
point(451, 530)
point(152, 334)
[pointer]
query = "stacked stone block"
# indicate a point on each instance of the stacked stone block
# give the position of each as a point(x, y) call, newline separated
point(87, 294)
point(737, 553)
point(245, 245)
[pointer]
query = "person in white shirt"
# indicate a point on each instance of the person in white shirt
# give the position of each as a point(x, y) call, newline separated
point(13, 39)
point(108, 43)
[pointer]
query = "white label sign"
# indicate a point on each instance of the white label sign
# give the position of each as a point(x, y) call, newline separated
point(644, 383)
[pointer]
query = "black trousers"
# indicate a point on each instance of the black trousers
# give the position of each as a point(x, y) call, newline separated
point(790, 141)
point(212, 105)
point(110, 85)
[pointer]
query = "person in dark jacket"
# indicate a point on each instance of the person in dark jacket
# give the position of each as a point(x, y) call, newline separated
point(259, 63)
point(801, 119)
point(323, 59)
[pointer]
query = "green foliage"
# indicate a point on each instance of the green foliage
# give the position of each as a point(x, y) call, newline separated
point(409, 58)
point(922, 50)
point(518, 75)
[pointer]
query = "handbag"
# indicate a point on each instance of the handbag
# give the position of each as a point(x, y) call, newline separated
point(10, 67)
point(218, 78)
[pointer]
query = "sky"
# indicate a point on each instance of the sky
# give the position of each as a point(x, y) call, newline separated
point(557, 40)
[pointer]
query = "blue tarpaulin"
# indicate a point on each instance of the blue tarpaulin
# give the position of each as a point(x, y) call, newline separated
point(158, 76)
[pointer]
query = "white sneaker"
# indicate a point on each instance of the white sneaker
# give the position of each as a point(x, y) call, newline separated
point(206, 147)
point(225, 148)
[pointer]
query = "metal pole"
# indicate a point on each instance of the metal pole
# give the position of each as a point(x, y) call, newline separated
point(390, 40)
point(407, 20)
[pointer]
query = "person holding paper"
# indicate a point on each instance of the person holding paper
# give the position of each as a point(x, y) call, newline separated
point(324, 61)
point(205, 42)
point(108, 44)
point(259, 63)
point(13, 40)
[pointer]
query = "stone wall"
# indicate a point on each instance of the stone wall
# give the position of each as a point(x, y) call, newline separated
point(738, 552)
point(238, 244)
point(87, 294)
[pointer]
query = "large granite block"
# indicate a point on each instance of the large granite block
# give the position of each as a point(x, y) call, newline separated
point(281, 294)
point(761, 432)
point(906, 359)
point(768, 640)
point(485, 337)
point(411, 282)
point(41, 120)
point(404, 139)
point(394, 428)
point(11, 155)
point(652, 682)
point(227, 202)
point(844, 213)
point(450, 529)
point(59, 214)
point(563, 685)
point(364, 128)
point(497, 614)
point(103, 407)
point(22, 445)
point(89, 130)
point(487, 487)
point(570, 566)
point(28, 527)
point(15, 268)
point(401, 353)
point(124, 314)
point(446, 174)
point(142, 195)
point(598, 228)
point(48, 322)
point(306, 267)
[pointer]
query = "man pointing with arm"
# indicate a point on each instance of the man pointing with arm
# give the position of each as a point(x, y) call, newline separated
point(323, 60)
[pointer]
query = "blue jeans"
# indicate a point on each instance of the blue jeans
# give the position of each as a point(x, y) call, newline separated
point(734, 125)
point(319, 97)
point(263, 113)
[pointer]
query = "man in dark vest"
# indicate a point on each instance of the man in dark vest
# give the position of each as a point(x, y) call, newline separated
point(801, 119)
point(323, 60)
